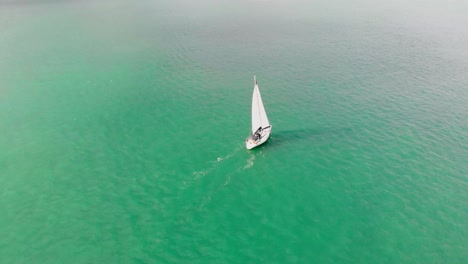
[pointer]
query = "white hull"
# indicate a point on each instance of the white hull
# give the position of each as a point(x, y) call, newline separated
point(250, 144)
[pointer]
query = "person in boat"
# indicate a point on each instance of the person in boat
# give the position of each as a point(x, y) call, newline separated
point(257, 135)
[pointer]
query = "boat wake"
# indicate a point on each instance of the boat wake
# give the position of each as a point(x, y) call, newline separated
point(213, 168)
point(250, 162)
point(197, 175)
point(208, 197)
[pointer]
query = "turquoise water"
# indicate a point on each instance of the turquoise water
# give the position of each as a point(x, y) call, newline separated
point(123, 127)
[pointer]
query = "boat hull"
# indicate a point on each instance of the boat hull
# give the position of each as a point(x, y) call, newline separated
point(250, 144)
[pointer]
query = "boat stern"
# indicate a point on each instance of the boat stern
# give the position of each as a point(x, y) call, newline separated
point(250, 144)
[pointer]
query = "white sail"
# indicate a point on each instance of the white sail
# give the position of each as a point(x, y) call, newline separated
point(259, 116)
point(261, 127)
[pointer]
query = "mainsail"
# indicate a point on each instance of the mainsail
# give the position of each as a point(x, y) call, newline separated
point(259, 116)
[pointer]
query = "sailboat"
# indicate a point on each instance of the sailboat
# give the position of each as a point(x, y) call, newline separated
point(261, 128)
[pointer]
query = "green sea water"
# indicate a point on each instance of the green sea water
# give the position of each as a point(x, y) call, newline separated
point(122, 128)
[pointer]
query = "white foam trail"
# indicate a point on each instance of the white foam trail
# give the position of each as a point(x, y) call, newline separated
point(250, 163)
point(197, 175)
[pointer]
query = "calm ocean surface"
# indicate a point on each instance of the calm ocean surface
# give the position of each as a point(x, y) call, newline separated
point(123, 123)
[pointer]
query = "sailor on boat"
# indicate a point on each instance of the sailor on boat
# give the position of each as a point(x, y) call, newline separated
point(257, 135)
